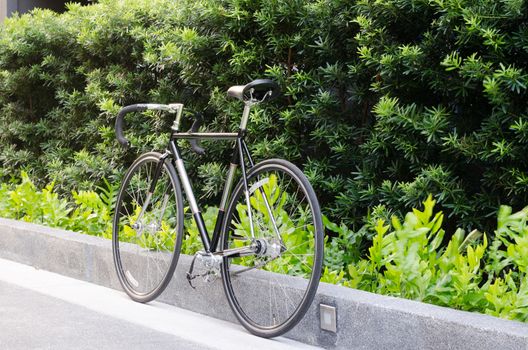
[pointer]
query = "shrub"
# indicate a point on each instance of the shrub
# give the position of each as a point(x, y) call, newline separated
point(407, 259)
point(64, 77)
point(384, 101)
point(452, 111)
point(90, 212)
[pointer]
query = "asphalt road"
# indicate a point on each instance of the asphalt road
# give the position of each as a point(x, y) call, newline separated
point(43, 310)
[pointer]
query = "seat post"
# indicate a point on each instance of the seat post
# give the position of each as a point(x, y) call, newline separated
point(245, 114)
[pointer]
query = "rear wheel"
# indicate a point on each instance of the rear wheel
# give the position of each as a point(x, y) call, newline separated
point(271, 290)
point(147, 228)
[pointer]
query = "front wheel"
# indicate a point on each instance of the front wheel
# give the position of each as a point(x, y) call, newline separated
point(148, 228)
point(271, 289)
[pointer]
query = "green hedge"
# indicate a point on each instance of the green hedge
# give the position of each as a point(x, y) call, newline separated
point(472, 272)
point(64, 77)
point(452, 114)
point(384, 101)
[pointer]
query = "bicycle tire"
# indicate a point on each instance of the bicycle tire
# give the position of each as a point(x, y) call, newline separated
point(244, 286)
point(153, 239)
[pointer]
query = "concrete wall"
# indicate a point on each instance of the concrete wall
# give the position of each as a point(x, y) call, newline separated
point(364, 320)
point(11, 6)
point(3, 9)
point(7, 7)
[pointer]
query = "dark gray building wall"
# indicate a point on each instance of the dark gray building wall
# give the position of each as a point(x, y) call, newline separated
point(11, 6)
point(28, 5)
point(7, 7)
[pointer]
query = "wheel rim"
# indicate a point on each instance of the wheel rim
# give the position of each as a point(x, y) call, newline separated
point(262, 289)
point(145, 243)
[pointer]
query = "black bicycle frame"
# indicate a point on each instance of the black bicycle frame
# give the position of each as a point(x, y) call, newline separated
point(239, 151)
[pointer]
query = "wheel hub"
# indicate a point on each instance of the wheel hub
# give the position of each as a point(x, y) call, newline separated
point(268, 247)
point(150, 228)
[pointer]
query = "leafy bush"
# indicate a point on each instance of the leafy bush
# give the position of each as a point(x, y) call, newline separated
point(90, 212)
point(452, 111)
point(64, 77)
point(407, 259)
point(384, 101)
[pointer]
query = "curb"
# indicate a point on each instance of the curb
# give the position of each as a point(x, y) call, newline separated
point(364, 320)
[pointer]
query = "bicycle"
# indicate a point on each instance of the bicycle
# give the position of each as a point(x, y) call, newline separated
point(267, 242)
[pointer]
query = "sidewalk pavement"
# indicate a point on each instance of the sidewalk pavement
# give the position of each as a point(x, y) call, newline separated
point(44, 310)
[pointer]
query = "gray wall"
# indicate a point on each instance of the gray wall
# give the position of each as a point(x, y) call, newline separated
point(7, 7)
point(11, 6)
point(27, 5)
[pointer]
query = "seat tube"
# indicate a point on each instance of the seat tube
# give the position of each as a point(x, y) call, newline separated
point(228, 185)
point(190, 196)
point(223, 203)
point(243, 125)
point(245, 115)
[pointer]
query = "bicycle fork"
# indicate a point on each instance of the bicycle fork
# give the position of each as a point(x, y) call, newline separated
point(138, 225)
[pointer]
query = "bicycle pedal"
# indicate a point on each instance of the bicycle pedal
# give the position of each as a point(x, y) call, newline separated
point(206, 266)
point(190, 277)
point(189, 274)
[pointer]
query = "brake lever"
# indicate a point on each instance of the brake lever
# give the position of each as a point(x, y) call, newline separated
point(195, 143)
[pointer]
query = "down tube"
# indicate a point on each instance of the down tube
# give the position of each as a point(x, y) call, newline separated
point(190, 196)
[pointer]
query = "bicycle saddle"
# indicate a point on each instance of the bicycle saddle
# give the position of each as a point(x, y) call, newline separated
point(259, 90)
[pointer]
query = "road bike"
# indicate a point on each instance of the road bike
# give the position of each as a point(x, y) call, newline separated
point(267, 242)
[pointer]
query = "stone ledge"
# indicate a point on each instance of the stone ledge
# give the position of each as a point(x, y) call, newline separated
point(365, 320)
